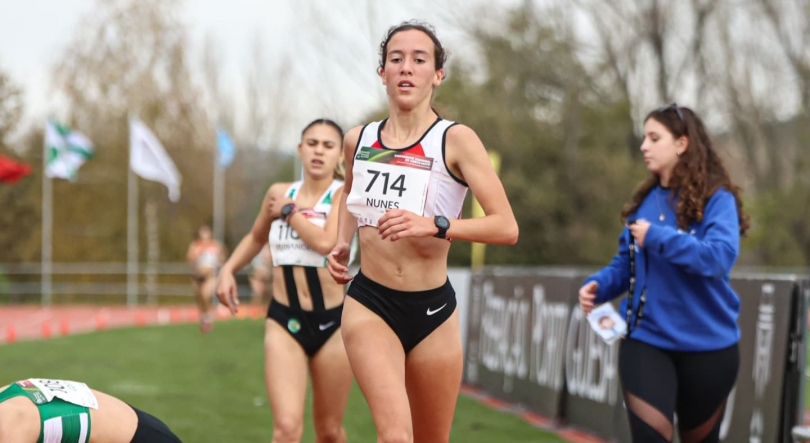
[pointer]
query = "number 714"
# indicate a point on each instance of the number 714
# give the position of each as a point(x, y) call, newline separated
point(397, 185)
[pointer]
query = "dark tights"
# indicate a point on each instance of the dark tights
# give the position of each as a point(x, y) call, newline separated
point(657, 384)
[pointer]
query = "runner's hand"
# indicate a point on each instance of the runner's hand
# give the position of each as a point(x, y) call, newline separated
point(338, 263)
point(399, 223)
point(276, 203)
point(226, 291)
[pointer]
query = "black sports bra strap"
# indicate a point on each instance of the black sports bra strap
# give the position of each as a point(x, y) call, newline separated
point(292, 289)
point(315, 290)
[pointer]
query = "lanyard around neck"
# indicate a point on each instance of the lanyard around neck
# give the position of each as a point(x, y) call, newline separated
point(643, 299)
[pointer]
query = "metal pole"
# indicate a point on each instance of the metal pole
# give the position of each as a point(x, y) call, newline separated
point(219, 198)
point(153, 251)
point(132, 238)
point(47, 226)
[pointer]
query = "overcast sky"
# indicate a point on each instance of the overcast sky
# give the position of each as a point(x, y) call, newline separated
point(34, 32)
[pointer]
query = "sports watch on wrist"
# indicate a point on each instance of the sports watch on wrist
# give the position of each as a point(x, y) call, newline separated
point(443, 224)
point(287, 211)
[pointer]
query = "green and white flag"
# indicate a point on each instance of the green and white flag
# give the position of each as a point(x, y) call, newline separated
point(67, 151)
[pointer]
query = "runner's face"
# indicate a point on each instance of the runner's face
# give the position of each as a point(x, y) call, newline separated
point(320, 151)
point(410, 72)
point(205, 234)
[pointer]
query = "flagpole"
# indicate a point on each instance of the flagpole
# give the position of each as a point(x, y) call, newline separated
point(219, 197)
point(132, 232)
point(47, 226)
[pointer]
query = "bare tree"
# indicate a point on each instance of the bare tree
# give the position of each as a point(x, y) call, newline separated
point(269, 95)
point(219, 105)
point(790, 22)
point(742, 82)
point(344, 49)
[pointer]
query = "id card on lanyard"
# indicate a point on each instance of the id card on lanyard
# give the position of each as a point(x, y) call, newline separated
point(387, 179)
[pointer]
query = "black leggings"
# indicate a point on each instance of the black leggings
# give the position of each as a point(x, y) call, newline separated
point(658, 384)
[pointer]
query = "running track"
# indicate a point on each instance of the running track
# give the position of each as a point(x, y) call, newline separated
point(34, 322)
point(19, 323)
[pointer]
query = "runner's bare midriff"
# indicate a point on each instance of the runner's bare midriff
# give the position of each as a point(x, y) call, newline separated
point(113, 422)
point(408, 264)
point(332, 292)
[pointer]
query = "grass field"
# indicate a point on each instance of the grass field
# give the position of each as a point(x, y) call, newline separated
point(211, 389)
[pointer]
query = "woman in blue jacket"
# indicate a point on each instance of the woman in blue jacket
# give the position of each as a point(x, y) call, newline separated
point(682, 237)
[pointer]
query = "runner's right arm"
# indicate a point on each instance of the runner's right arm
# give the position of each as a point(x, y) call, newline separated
point(253, 242)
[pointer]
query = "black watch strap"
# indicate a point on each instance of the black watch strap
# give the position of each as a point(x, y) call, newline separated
point(442, 224)
point(287, 211)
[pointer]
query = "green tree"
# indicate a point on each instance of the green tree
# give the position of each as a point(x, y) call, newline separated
point(18, 219)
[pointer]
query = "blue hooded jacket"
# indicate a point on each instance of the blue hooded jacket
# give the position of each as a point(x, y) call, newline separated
point(690, 304)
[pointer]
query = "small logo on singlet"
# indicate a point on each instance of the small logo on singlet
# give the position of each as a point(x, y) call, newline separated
point(293, 325)
point(39, 398)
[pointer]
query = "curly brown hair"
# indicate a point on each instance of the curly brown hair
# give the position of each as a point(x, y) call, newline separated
point(698, 174)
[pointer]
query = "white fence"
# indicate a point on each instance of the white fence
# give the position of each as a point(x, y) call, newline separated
point(23, 281)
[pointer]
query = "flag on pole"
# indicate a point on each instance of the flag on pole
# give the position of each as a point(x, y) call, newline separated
point(149, 160)
point(227, 150)
point(67, 151)
point(11, 170)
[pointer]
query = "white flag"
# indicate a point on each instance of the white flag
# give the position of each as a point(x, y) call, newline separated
point(67, 151)
point(148, 159)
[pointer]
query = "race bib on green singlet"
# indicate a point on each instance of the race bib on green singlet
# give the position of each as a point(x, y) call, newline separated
point(287, 248)
point(387, 179)
point(45, 390)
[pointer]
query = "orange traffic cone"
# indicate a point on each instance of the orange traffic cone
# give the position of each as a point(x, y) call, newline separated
point(101, 322)
point(11, 334)
point(46, 330)
point(140, 318)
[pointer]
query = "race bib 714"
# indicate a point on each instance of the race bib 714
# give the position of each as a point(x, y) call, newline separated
point(387, 179)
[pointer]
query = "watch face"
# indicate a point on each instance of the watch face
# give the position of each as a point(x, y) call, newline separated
point(285, 211)
point(443, 222)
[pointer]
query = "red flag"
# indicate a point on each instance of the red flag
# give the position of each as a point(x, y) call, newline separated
point(11, 170)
